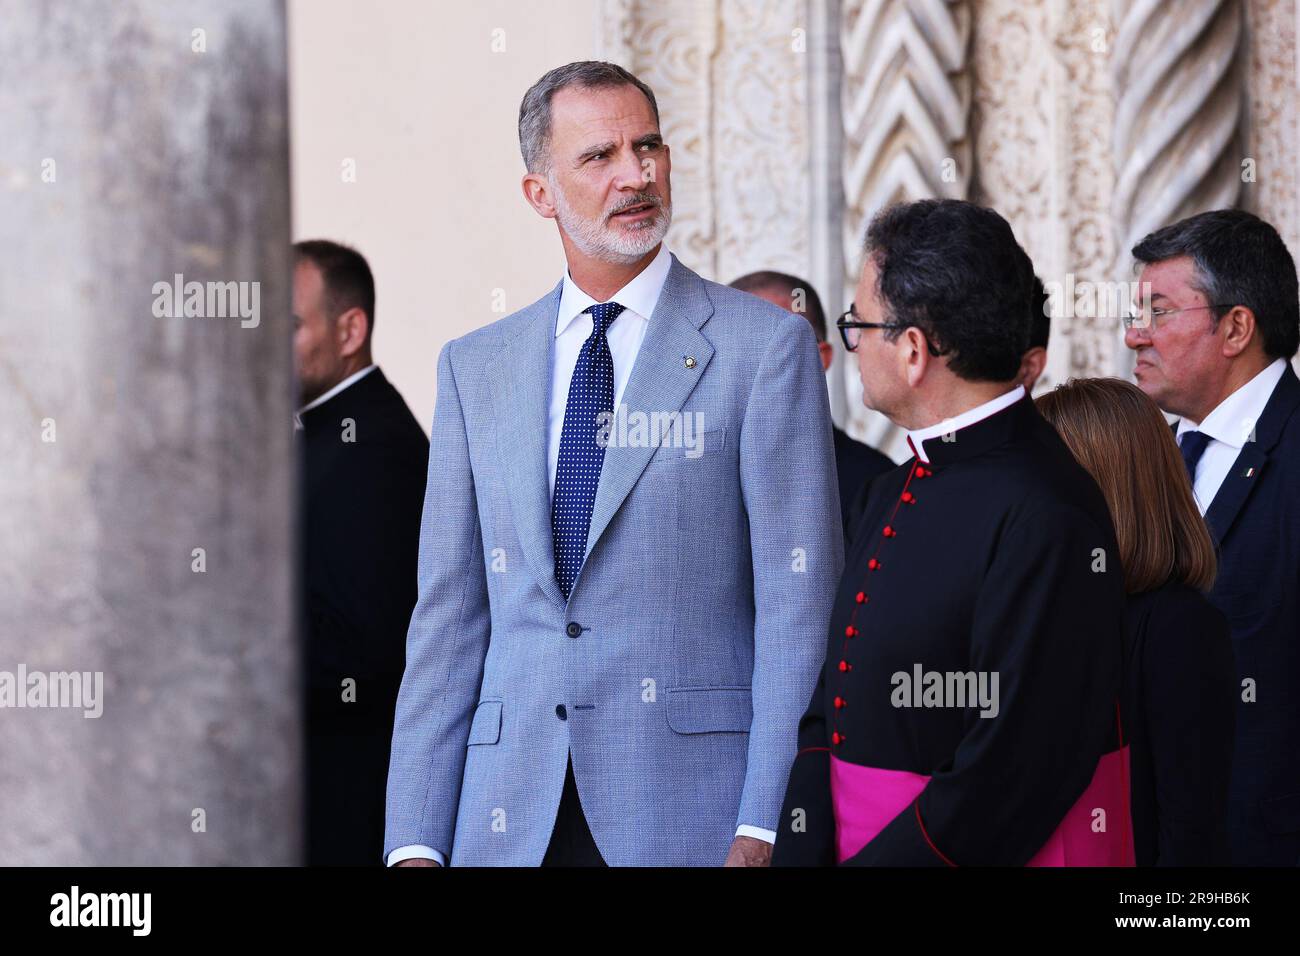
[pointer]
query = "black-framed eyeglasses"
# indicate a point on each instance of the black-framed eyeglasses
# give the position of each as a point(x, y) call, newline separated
point(851, 327)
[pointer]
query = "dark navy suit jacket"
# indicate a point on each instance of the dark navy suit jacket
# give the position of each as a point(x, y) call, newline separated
point(1255, 521)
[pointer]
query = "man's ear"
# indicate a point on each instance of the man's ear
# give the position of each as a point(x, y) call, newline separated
point(1239, 330)
point(827, 353)
point(537, 190)
point(353, 330)
point(1032, 364)
point(914, 354)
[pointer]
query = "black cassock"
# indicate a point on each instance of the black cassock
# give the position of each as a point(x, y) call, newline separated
point(984, 563)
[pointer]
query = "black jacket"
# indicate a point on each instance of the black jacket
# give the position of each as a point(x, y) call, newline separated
point(855, 465)
point(1255, 521)
point(364, 461)
point(1179, 695)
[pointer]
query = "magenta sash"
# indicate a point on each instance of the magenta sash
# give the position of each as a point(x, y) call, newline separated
point(866, 799)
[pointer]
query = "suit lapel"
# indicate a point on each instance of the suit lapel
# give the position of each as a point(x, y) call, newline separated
point(1234, 491)
point(660, 382)
point(1243, 477)
point(521, 385)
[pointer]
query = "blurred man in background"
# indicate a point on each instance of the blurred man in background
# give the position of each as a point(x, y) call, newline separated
point(364, 461)
point(855, 463)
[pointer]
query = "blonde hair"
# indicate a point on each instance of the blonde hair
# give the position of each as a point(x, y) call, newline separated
point(1118, 434)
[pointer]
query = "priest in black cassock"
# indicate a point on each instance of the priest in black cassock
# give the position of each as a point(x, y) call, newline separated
point(967, 712)
point(364, 461)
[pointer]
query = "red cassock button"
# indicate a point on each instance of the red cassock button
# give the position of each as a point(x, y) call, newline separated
point(839, 702)
point(850, 631)
point(845, 667)
point(907, 497)
point(861, 598)
point(873, 565)
point(837, 738)
point(889, 531)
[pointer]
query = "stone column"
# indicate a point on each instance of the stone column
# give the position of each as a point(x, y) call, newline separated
point(905, 100)
point(146, 491)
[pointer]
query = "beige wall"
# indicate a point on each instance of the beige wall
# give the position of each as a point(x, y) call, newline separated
point(413, 92)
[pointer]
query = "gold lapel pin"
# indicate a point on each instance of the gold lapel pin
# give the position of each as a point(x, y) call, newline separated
point(690, 361)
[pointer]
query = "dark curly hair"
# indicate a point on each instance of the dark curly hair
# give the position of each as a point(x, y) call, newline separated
point(955, 271)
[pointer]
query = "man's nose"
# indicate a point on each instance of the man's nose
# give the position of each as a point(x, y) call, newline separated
point(1135, 338)
point(629, 174)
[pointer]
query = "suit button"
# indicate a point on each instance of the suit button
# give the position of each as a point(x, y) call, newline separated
point(561, 712)
point(574, 629)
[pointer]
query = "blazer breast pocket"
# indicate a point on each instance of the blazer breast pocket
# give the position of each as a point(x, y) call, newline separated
point(486, 726)
point(693, 447)
point(710, 710)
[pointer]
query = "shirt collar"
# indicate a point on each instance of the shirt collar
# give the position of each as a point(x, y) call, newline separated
point(639, 296)
point(322, 399)
point(918, 438)
point(1233, 419)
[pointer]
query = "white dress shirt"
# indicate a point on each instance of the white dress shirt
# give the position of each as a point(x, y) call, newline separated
point(1229, 427)
point(322, 399)
point(949, 426)
point(625, 334)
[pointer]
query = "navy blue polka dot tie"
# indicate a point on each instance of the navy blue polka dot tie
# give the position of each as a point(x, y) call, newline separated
point(577, 472)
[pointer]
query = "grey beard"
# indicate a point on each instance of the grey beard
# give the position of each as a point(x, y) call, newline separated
point(596, 241)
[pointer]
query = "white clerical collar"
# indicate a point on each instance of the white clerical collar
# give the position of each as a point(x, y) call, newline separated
point(1233, 419)
point(639, 296)
point(918, 438)
point(322, 399)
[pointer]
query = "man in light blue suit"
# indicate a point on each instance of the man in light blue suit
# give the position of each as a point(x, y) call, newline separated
point(630, 539)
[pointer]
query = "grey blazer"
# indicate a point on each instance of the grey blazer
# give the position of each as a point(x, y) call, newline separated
point(675, 675)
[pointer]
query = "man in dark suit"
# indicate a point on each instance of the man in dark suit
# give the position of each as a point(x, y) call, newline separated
point(1213, 340)
point(855, 463)
point(364, 461)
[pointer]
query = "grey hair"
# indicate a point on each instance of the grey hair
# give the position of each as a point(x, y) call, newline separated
point(535, 110)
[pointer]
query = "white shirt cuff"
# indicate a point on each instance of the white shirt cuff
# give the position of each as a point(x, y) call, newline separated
point(417, 851)
point(758, 833)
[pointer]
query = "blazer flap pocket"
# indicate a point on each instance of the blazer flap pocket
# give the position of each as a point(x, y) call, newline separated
point(706, 710)
point(1281, 814)
point(689, 443)
point(486, 728)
